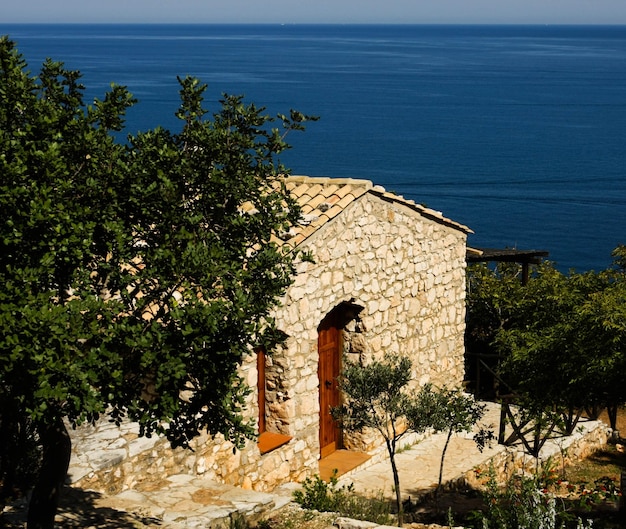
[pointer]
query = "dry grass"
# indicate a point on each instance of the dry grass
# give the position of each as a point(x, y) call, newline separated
point(608, 462)
point(293, 517)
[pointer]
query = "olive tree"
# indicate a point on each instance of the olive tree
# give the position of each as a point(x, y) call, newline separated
point(378, 396)
point(134, 283)
point(457, 412)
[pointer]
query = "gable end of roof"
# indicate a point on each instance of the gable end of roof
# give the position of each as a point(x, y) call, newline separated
point(323, 199)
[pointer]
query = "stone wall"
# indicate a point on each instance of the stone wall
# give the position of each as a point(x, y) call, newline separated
point(589, 437)
point(405, 273)
point(408, 274)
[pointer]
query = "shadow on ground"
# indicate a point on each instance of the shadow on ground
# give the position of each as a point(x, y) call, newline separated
point(81, 509)
point(606, 458)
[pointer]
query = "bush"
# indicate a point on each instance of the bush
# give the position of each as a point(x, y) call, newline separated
point(524, 503)
point(318, 495)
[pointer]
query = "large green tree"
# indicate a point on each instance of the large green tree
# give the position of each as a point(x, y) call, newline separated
point(136, 274)
point(601, 327)
point(561, 337)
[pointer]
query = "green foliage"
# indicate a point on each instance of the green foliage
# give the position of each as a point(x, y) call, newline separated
point(238, 521)
point(521, 505)
point(318, 495)
point(580, 495)
point(601, 490)
point(619, 257)
point(293, 517)
point(540, 501)
point(136, 275)
point(450, 410)
point(377, 396)
point(453, 411)
point(562, 338)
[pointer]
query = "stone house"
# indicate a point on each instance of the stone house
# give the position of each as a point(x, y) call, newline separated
point(388, 277)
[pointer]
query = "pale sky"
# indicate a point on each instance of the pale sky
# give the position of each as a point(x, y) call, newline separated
point(317, 11)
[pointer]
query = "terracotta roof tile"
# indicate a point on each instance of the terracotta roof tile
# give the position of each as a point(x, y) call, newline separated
point(329, 191)
point(307, 208)
point(347, 200)
point(302, 199)
point(344, 190)
point(323, 199)
point(316, 201)
point(334, 211)
point(314, 191)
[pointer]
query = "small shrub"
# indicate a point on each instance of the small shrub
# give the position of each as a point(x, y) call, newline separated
point(601, 490)
point(297, 518)
point(318, 495)
point(525, 503)
point(239, 521)
point(375, 510)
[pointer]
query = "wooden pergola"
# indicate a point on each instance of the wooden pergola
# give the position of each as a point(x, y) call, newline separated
point(509, 255)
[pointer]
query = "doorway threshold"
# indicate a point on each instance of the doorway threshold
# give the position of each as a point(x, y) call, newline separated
point(343, 461)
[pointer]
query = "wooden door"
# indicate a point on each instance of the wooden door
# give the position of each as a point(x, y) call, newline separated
point(329, 367)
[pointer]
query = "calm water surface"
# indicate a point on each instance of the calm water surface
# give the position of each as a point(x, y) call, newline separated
point(517, 131)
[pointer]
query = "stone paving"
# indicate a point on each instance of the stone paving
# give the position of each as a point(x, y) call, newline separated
point(190, 502)
point(418, 467)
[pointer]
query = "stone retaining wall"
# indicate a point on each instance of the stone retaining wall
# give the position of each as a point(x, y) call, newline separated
point(589, 437)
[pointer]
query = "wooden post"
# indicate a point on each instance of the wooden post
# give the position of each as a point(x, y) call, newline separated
point(478, 368)
point(502, 421)
point(525, 273)
point(622, 500)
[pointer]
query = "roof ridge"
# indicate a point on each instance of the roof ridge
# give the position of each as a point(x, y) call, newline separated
point(326, 180)
point(323, 198)
point(433, 214)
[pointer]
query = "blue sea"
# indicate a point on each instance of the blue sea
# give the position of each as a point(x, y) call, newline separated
point(518, 132)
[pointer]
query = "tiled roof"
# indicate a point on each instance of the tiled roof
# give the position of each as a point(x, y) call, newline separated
point(323, 199)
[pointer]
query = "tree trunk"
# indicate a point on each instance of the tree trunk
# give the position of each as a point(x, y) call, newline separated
point(571, 419)
point(9, 450)
point(57, 448)
point(443, 457)
point(611, 410)
point(396, 482)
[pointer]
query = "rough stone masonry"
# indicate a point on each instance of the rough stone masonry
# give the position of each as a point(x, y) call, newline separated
point(399, 264)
